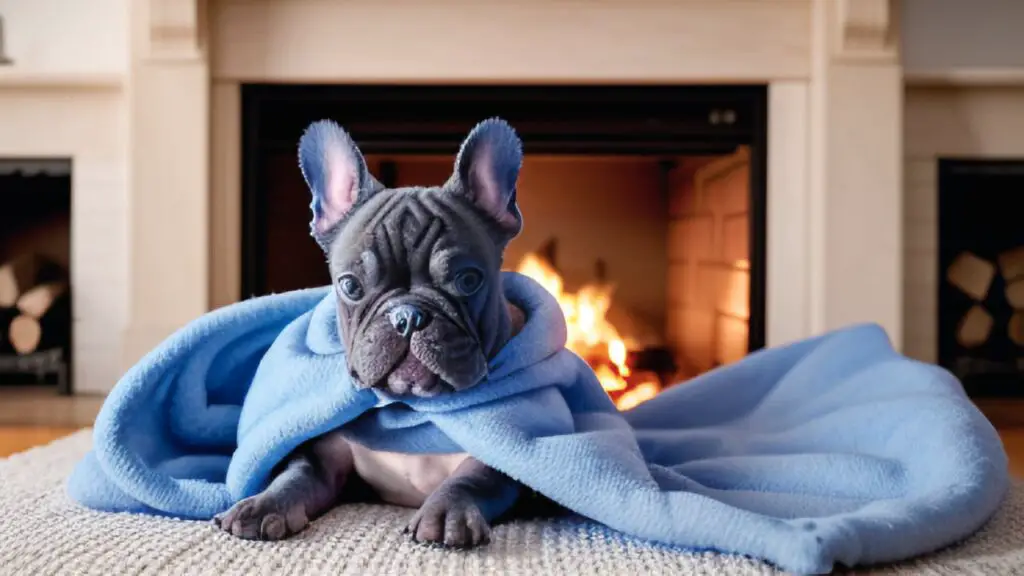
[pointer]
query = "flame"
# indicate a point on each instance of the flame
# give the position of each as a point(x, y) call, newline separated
point(637, 394)
point(590, 334)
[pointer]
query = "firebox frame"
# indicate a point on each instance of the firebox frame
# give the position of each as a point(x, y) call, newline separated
point(957, 178)
point(54, 364)
point(580, 119)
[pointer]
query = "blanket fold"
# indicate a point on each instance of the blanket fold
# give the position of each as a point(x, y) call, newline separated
point(831, 450)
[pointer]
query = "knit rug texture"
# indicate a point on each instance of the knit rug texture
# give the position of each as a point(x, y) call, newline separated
point(43, 532)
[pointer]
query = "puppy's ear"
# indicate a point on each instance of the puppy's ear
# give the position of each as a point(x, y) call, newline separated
point(335, 171)
point(487, 169)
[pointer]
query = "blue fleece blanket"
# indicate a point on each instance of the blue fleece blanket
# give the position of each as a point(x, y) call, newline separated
point(834, 449)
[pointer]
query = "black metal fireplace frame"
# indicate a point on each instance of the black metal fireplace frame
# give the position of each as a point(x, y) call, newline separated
point(591, 119)
point(52, 365)
point(990, 372)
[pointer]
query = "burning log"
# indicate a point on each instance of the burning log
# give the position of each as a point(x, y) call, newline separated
point(657, 360)
point(638, 394)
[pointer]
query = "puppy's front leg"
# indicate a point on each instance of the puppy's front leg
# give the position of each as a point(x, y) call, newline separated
point(307, 486)
point(459, 512)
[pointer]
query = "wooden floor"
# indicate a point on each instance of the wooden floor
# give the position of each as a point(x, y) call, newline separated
point(1013, 440)
point(15, 439)
point(42, 406)
point(18, 438)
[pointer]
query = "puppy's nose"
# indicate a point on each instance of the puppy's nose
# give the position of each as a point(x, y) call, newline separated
point(408, 319)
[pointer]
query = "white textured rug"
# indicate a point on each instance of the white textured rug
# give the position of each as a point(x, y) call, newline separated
point(43, 532)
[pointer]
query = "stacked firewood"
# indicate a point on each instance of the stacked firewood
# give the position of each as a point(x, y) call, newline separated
point(35, 306)
point(975, 277)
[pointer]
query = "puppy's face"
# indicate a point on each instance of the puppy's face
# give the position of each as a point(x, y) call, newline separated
point(416, 271)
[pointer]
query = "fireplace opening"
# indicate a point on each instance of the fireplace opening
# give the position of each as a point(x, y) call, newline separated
point(981, 275)
point(35, 255)
point(644, 208)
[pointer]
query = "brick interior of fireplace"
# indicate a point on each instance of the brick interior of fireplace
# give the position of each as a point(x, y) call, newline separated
point(708, 289)
point(35, 254)
point(670, 233)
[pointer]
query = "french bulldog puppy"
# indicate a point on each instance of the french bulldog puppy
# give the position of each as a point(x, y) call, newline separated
point(420, 311)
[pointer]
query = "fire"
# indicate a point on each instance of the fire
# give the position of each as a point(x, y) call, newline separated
point(591, 335)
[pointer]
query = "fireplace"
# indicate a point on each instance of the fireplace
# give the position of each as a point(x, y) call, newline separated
point(981, 275)
point(35, 255)
point(644, 207)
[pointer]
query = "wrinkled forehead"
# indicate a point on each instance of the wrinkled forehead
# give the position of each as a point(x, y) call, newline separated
point(412, 224)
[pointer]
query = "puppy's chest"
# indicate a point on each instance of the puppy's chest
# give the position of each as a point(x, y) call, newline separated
point(404, 479)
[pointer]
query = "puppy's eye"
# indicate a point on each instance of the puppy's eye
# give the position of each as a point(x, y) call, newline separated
point(350, 287)
point(468, 281)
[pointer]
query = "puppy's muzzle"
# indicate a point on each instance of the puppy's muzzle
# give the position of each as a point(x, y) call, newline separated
point(408, 319)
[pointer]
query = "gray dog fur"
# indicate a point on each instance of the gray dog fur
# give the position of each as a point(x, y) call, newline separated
point(421, 310)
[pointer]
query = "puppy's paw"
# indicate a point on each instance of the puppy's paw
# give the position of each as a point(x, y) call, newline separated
point(262, 517)
point(450, 520)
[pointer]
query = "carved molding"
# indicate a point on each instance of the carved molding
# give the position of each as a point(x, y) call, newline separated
point(173, 29)
point(866, 29)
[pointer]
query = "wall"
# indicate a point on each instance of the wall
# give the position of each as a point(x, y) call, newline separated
point(983, 122)
point(709, 273)
point(949, 35)
point(66, 38)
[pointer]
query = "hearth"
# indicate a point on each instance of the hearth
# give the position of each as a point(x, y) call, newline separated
point(644, 207)
point(981, 275)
